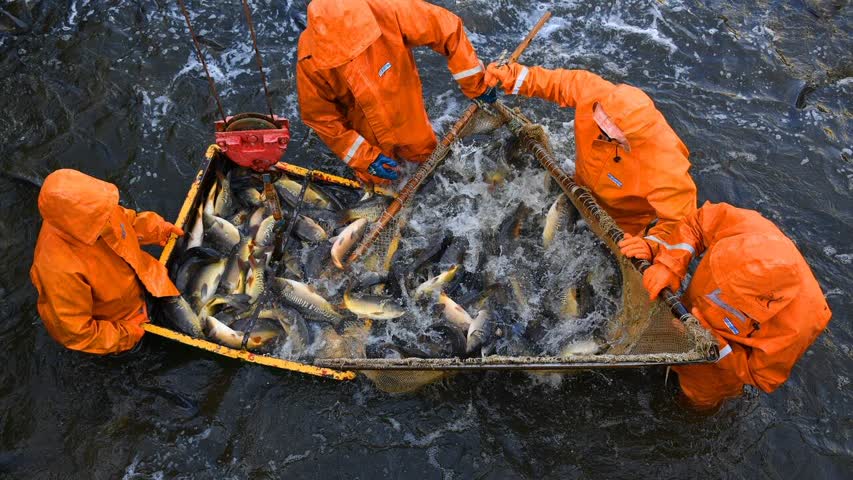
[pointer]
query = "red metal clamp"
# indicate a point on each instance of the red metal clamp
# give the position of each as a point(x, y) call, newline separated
point(251, 140)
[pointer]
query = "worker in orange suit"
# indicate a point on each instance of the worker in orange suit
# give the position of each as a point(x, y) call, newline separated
point(627, 154)
point(359, 87)
point(753, 290)
point(89, 271)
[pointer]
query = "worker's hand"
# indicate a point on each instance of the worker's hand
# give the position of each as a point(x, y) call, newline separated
point(635, 247)
point(504, 75)
point(657, 277)
point(383, 167)
point(166, 231)
point(490, 96)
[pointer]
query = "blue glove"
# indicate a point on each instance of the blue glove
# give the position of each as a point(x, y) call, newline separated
point(489, 96)
point(383, 167)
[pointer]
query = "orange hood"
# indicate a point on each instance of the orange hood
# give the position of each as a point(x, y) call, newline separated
point(633, 112)
point(339, 30)
point(76, 204)
point(758, 271)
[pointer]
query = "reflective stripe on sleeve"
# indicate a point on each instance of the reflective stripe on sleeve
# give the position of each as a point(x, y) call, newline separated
point(715, 297)
point(678, 246)
point(468, 73)
point(353, 148)
point(725, 351)
point(519, 81)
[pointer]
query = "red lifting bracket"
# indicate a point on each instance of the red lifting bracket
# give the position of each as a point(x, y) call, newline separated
point(252, 140)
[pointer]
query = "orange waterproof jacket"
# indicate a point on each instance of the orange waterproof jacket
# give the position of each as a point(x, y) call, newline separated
point(753, 290)
point(652, 180)
point(357, 81)
point(88, 266)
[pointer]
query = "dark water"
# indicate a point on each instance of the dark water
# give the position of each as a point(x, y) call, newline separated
point(760, 92)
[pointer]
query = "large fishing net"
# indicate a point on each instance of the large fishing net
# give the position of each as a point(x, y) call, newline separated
point(638, 332)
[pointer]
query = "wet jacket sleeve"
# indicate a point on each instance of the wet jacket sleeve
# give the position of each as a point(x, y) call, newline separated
point(696, 232)
point(672, 195)
point(150, 227)
point(65, 305)
point(424, 24)
point(566, 88)
point(324, 115)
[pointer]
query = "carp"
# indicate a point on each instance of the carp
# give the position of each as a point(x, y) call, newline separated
point(290, 189)
point(479, 332)
point(436, 283)
point(196, 233)
point(234, 279)
point(510, 229)
point(256, 278)
point(373, 306)
point(292, 323)
point(346, 241)
point(225, 335)
point(235, 304)
point(557, 219)
point(307, 301)
point(309, 230)
point(181, 315)
point(250, 197)
point(204, 285)
point(370, 209)
point(266, 232)
point(258, 216)
point(454, 313)
point(224, 203)
point(220, 234)
point(190, 262)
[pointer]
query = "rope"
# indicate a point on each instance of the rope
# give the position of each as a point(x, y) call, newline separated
point(258, 58)
point(203, 62)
